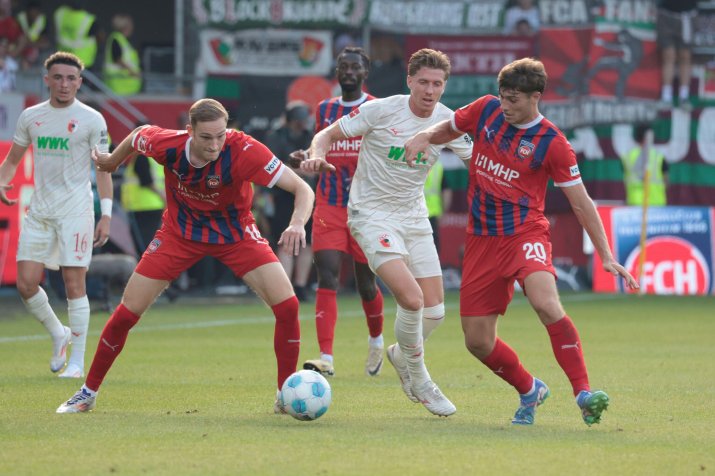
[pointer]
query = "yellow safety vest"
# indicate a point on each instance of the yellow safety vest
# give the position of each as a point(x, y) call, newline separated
point(633, 174)
point(32, 31)
point(72, 27)
point(116, 77)
point(433, 190)
point(136, 198)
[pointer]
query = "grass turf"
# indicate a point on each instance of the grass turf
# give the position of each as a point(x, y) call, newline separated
point(192, 393)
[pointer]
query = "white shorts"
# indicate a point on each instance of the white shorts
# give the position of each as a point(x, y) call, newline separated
point(57, 242)
point(385, 240)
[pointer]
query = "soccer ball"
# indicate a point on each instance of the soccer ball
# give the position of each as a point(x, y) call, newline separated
point(306, 395)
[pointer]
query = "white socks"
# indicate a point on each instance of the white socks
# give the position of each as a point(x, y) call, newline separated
point(78, 310)
point(326, 357)
point(377, 342)
point(39, 306)
point(408, 331)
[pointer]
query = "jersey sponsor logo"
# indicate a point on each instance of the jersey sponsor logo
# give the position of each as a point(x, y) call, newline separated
point(213, 181)
point(53, 143)
point(346, 145)
point(525, 149)
point(272, 166)
point(495, 168)
point(385, 240)
point(398, 155)
point(574, 170)
point(72, 125)
point(141, 144)
point(154, 245)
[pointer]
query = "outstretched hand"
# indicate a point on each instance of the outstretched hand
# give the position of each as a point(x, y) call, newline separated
point(616, 269)
point(102, 161)
point(297, 157)
point(3, 195)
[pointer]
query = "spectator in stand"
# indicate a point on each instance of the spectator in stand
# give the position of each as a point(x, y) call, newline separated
point(295, 134)
point(674, 30)
point(521, 10)
point(121, 61)
point(10, 30)
point(34, 27)
point(8, 68)
point(77, 32)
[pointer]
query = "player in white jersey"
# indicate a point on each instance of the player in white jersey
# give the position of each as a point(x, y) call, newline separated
point(58, 230)
point(387, 214)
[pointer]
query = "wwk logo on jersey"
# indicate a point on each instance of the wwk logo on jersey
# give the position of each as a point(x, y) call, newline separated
point(574, 170)
point(525, 149)
point(53, 143)
point(72, 125)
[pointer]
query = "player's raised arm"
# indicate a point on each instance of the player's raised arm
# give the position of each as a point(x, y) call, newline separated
point(7, 171)
point(439, 133)
point(110, 162)
point(319, 147)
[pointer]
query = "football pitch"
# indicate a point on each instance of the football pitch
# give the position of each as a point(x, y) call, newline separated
point(193, 393)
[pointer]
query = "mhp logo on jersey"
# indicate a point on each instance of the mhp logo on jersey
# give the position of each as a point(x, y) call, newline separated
point(213, 181)
point(672, 266)
point(72, 125)
point(525, 149)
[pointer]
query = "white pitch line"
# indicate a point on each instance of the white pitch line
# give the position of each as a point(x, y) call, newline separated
point(269, 320)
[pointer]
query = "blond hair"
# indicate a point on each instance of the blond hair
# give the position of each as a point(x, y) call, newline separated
point(206, 110)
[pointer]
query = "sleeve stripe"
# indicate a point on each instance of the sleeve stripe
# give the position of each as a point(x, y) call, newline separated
point(570, 183)
point(277, 175)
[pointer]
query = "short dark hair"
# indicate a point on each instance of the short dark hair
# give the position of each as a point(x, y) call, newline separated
point(639, 131)
point(527, 75)
point(206, 110)
point(428, 58)
point(63, 57)
point(355, 50)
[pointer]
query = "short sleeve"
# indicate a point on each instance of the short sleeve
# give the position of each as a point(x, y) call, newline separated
point(22, 134)
point(465, 118)
point(561, 163)
point(100, 136)
point(254, 162)
point(361, 119)
point(153, 141)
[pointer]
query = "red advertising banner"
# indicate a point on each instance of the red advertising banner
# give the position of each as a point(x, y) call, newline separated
point(11, 217)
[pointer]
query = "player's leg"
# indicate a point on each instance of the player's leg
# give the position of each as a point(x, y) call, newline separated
point(272, 285)
point(29, 276)
point(78, 310)
point(372, 305)
point(38, 248)
point(540, 288)
point(327, 264)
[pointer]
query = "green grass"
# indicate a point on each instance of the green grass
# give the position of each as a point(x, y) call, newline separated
point(192, 393)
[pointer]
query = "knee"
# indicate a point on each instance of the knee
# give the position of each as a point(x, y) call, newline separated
point(411, 303)
point(327, 278)
point(479, 345)
point(27, 288)
point(367, 290)
point(548, 309)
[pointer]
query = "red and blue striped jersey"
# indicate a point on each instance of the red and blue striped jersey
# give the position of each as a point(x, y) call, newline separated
point(211, 204)
point(510, 168)
point(334, 187)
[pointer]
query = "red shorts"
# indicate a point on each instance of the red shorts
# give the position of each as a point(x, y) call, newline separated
point(492, 263)
point(330, 232)
point(169, 255)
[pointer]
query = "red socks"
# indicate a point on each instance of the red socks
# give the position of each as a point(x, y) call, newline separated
point(504, 362)
point(286, 338)
point(111, 343)
point(326, 315)
point(374, 315)
point(567, 348)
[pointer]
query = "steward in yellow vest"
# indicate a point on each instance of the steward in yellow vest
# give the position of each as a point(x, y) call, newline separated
point(143, 198)
point(75, 31)
point(634, 166)
point(122, 73)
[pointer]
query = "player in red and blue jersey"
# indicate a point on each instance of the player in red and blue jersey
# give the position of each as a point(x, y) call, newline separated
point(331, 236)
point(516, 150)
point(208, 176)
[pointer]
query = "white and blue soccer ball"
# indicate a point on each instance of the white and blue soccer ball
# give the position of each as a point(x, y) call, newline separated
point(306, 395)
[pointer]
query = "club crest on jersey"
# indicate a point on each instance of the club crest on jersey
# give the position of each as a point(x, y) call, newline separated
point(72, 125)
point(141, 144)
point(525, 149)
point(385, 240)
point(213, 181)
point(154, 245)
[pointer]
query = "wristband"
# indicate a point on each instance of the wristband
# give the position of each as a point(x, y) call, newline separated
point(105, 205)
